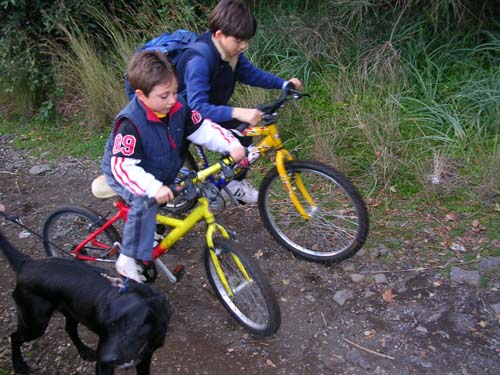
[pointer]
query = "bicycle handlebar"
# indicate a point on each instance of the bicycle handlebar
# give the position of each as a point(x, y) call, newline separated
point(269, 109)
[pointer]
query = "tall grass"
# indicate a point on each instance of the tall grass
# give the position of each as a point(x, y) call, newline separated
point(400, 91)
point(92, 85)
point(92, 78)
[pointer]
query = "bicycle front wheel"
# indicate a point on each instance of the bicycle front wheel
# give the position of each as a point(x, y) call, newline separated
point(251, 300)
point(338, 223)
point(68, 226)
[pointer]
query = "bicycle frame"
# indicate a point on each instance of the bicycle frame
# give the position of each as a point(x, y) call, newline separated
point(92, 238)
point(272, 141)
point(180, 228)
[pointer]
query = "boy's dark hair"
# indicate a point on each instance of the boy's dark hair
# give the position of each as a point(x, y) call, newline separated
point(233, 18)
point(148, 69)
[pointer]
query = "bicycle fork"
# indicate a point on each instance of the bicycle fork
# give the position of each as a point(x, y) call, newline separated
point(213, 252)
point(281, 157)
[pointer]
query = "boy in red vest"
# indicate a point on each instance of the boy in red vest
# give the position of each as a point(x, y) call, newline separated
point(143, 153)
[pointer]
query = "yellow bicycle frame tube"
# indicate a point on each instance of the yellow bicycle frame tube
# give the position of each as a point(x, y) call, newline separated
point(181, 227)
point(271, 141)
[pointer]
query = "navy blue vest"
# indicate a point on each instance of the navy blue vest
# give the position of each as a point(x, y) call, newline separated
point(162, 144)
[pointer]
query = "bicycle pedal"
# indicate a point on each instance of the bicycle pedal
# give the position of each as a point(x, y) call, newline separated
point(178, 271)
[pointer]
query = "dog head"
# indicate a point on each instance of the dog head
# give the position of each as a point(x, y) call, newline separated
point(134, 325)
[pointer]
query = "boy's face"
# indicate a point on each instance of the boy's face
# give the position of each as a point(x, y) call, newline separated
point(161, 98)
point(231, 45)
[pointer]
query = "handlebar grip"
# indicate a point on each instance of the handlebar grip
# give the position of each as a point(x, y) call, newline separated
point(176, 189)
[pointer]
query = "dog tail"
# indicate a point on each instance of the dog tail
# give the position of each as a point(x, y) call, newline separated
point(13, 256)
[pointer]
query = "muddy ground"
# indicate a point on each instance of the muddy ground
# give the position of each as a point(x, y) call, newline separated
point(374, 314)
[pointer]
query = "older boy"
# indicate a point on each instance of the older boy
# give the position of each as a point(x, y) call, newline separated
point(209, 75)
point(143, 153)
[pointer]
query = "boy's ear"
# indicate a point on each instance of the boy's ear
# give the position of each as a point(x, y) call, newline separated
point(140, 95)
point(218, 34)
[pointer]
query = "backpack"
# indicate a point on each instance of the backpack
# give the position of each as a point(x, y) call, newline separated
point(173, 45)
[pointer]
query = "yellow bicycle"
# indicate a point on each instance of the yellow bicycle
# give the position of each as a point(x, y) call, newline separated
point(238, 282)
point(309, 207)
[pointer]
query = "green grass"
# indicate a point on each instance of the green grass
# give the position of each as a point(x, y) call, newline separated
point(53, 140)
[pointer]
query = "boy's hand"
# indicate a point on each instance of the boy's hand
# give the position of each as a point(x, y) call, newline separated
point(297, 83)
point(164, 195)
point(237, 152)
point(251, 116)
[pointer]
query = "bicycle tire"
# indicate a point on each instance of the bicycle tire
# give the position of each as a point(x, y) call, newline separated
point(254, 305)
point(67, 226)
point(339, 222)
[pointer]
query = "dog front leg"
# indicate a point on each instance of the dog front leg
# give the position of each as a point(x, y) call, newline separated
point(144, 365)
point(85, 352)
point(20, 366)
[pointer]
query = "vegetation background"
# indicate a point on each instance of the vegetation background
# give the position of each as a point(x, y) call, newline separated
point(405, 95)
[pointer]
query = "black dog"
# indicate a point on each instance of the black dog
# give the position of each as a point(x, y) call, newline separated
point(131, 321)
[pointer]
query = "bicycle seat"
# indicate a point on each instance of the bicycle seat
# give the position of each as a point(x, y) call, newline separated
point(101, 189)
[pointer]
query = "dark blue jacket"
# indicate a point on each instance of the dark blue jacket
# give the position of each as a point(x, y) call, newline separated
point(162, 144)
point(209, 81)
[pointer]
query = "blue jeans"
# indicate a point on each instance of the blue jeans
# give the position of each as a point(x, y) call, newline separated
point(139, 229)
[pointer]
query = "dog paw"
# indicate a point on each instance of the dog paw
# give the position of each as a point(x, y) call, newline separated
point(22, 368)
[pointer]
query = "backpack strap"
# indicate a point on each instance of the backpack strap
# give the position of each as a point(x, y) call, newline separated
point(197, 48)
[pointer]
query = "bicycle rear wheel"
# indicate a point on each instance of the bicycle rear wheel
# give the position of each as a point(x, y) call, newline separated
point(338, 224)
point(66, 228)
point(253, 303)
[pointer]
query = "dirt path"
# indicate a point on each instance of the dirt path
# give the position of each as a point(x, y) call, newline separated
point(357, 317)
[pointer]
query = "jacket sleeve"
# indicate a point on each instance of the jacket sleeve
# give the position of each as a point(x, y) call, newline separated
point(214, 137)
point(249, 74)
point(134, 178)
point(197, 80)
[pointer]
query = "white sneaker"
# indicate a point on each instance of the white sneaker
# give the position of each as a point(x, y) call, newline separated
point(127, 267)
point(243, 191)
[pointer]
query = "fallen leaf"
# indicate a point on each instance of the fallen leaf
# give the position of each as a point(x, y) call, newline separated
point(270, 363)
point(452, 216)
point(259, 254)
point(482, 324)
point(476, 226)
point(370, 334)
point(388, 296)
point(457, 247)
point(393, 189)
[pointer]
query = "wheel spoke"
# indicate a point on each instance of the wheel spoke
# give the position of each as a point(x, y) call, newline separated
point(253, 303)
point(66, 228)
point(338, 221)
